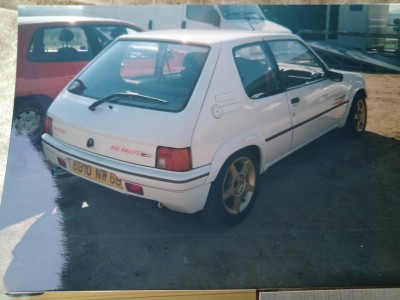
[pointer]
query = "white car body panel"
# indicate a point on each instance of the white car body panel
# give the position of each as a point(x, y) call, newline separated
point(182, 192)
point(314, 99)
point(240, 120)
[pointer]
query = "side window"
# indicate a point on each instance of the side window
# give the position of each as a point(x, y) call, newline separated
point(59, 44)
point(297, 64)
point(203, 13)
point(105, 34)
point(257, 70)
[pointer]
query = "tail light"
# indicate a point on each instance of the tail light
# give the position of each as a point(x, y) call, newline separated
point(172, 159)
point(49, 125)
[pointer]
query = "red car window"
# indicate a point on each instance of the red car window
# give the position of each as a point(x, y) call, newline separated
point(60, 44)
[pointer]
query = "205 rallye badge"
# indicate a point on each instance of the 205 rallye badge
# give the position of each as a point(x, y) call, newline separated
point(130, 151)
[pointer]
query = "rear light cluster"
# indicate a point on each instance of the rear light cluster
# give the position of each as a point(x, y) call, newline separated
point(49, 126)
point(172, 159)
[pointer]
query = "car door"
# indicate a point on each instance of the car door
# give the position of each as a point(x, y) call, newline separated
point(315, 101)
point(266, 106)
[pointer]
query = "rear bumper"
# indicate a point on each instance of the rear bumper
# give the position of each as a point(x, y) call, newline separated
point(180, 191)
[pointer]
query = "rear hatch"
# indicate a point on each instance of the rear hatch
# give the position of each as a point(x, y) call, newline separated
point(132, 99)
point(125, 133)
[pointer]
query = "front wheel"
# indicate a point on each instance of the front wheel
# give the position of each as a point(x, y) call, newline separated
point(357, 119)
point(234, 191)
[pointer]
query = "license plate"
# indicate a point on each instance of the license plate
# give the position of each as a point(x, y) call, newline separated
point(96, 174)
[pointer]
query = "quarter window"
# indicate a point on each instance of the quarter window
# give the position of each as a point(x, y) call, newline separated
point(258, 72)
point(297, 64)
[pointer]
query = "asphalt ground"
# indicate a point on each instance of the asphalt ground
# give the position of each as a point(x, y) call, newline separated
point(325, 217)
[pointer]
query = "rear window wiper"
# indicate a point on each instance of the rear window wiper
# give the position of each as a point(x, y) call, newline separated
point(126, 94)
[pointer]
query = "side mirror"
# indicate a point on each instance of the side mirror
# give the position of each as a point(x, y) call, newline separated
point(334, 76)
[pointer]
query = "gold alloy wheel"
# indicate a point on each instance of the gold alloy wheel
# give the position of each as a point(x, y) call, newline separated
point(360, 115)
point(238, 186)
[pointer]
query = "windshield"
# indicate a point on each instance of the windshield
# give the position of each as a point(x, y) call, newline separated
point(152, 75)
point(239, 12)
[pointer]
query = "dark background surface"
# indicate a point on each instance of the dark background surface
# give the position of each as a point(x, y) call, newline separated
point(325, 217)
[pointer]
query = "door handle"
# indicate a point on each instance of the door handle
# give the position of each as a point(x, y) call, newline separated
point(295, 100)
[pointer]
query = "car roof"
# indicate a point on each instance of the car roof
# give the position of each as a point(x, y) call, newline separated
point(206, 37)
point(67, 19)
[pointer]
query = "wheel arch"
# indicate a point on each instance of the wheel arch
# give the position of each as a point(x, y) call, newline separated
point(231, 148)
point(361, 92)
point(34, 97)
point(41, 101)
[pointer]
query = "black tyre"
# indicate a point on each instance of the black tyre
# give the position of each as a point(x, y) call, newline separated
point(29, 118)
point(357, 119)
point(233, 193)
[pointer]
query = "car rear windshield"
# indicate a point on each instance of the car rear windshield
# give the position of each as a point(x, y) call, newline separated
point(147, 74)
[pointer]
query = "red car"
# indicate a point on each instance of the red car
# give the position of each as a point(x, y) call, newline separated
point(51, 51)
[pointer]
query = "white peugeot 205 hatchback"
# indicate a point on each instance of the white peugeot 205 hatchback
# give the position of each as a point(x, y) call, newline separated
point(192, 118)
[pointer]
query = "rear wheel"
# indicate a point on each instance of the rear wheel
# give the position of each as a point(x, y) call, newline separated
point(29, 118)
point(357, 119)
point(234, 191)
